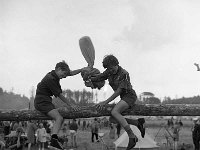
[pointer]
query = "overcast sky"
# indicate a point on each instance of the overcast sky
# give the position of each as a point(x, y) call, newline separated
point(156, 41)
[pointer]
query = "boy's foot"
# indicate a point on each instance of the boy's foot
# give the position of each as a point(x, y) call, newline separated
point(55, 144)
point(141, 127)
point(132, 142)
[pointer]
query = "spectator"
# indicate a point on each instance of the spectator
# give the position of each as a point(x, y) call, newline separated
point(118, 129)
point(73, 132)
point(94, 130)
point(31, 129)
point(170, 122)
point(181, 123)
point(41, 136)
point(6, 129)
point(112, 131)
point(176, 130)
point(79, 122)
point(48, 129)
point(15, 126)
point(69, 123)
point(64, 132)
point(196, 133)
point(17, 142)
point(88, 124)
point(84, 124)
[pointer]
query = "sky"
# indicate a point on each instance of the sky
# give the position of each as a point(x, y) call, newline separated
point(156, 41)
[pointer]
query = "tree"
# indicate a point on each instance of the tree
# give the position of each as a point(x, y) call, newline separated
point(77, 96)
point(152, 100)
point(1, 91)
point(32, 97)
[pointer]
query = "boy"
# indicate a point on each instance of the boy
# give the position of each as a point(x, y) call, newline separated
point(119, 80)
point(48, 87)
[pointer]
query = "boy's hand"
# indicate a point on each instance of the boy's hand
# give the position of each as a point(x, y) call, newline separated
point(101, 105)
point(75, 107)
point(86, 69)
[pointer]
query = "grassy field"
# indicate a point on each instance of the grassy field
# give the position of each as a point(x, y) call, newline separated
point(155, 128)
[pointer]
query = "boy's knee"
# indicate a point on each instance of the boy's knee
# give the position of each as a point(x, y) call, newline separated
point(114, 112)
point(60, 119)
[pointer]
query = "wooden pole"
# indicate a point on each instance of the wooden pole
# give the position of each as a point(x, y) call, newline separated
point(91, 111)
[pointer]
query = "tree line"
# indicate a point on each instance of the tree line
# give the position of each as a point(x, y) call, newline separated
point(10, 100)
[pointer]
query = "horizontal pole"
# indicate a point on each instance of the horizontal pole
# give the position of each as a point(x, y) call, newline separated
point(91, 111)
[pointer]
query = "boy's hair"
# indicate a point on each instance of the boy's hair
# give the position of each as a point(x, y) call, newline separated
point(62, 65)
point(110, 60)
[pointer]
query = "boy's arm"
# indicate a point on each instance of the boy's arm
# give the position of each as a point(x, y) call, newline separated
point(71, 105)
point(100, 77)
point(77, 71)
point(64, 99)
point(111, 98)
point(114, 95)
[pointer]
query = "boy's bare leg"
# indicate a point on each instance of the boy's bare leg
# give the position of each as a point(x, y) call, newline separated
point(136, 122)
point(116, 113)
point(55, 115)
point(58, 120)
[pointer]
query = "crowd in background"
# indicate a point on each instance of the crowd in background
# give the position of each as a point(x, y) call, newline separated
point(16, 135)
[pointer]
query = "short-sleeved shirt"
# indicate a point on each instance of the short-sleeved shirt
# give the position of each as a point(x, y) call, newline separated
point(119, 80)
point(48, 87)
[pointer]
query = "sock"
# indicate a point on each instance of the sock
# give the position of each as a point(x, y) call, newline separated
point(129, 131)
point(55, 136)
point(132, 122)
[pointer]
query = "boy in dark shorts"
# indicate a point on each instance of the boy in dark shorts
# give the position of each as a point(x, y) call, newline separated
point(119, 80)
point(48, 87)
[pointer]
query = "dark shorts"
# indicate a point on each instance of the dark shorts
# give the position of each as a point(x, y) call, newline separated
point(43, 104)
point(130, 99)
